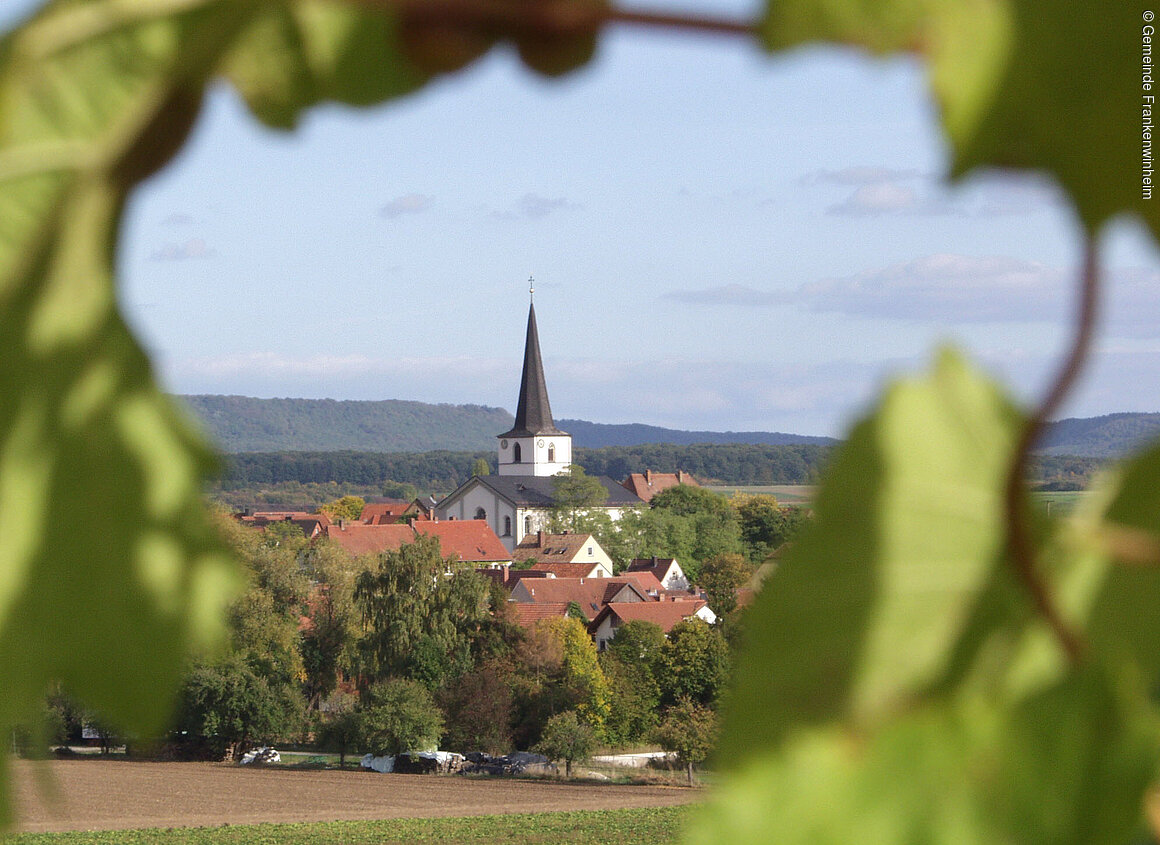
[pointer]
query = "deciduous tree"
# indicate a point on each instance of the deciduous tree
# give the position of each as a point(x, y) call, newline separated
point(688, 730)
point(399, 715)
point(567, 737)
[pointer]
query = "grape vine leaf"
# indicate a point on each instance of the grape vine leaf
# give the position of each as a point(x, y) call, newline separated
point(864, 612)
point(1019, 83)
point(110, 571)
point(1066, 764)
point(897, 684)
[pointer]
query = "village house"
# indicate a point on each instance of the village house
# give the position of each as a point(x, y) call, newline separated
point(666, 614)
point(664, 569)
point(471, 541)
point(645, 485)
point(311, 524)
point(589, 594)
point(385, 513)
point(564, 555)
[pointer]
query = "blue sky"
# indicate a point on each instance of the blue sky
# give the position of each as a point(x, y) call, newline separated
point(720, 240)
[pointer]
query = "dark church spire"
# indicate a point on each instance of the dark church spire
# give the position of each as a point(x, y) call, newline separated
point(533, 413)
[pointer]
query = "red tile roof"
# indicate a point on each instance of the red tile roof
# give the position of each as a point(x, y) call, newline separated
point(590, 593)
point(551, 547)
point(471, 539)
point(567, 570)
point(648, 483)
point(663, 613)
point(527, 615)
point(646, 581)
point(359, 539)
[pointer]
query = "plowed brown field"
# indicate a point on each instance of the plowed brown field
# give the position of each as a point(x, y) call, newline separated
point(119, 794)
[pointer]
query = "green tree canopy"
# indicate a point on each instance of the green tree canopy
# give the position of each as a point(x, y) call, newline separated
point(574, 492)
point(420, 614)
point(569, 738)
point(688, 730)
point(695, 663)
point(399, 715)
point(228, 705)
point(721, 577)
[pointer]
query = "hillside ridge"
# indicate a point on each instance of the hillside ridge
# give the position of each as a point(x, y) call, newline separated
point(238, 424)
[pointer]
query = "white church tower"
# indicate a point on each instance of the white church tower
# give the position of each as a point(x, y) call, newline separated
point(534, 446)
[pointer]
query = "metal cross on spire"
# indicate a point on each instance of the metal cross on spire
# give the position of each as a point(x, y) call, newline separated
point(531, 288)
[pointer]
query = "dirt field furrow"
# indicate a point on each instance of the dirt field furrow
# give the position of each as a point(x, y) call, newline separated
point(120, 794)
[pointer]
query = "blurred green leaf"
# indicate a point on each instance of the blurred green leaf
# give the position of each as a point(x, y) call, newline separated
point(111, 572)
point(1019, 83)
point(1065, 765)
point(865, 612)
point(300, 52)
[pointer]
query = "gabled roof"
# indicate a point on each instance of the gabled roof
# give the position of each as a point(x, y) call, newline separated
point(561, 569)
point(528, 615)
point(590, 593)
point(383, 513)
point(359, 539)
point(311, 524)
point(663, 613)
point(471, 539)
point(547, 548)
point(646, 581)
point(533, 413)
point(647, 484)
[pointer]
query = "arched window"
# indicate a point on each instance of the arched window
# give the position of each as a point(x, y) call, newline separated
point(527, 525)
point(516, 453)
point(551, 453)
point(507, 526)
point(480, 513)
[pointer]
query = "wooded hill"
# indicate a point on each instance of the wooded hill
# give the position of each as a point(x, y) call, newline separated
point(245, 424)
point(240, 424)
point(1109, 436)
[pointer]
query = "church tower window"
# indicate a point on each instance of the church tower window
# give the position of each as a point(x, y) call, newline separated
point(551, 453)
point(516, 453)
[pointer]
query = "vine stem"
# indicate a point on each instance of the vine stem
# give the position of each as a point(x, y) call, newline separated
point(1020, 544)
point(552, 17)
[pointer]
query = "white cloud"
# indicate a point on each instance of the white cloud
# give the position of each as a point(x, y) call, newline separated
point(193, 248)
point(407, 204)
point(944, 287)
point(859, 175)
point(536, 207)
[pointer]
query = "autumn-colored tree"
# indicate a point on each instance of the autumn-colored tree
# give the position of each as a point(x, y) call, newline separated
point(349, 508)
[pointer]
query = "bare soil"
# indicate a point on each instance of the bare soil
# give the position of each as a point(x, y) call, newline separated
point(122, 794)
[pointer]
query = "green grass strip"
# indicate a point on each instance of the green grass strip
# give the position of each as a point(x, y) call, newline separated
point(583, 827)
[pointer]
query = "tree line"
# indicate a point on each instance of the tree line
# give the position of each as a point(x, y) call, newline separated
point(443, 471)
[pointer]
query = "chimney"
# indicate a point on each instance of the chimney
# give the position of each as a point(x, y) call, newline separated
point(680, 476)
point(648, 477)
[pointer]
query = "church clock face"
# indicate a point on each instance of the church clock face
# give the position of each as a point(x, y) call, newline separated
point(503, 444)
point(540, 444)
